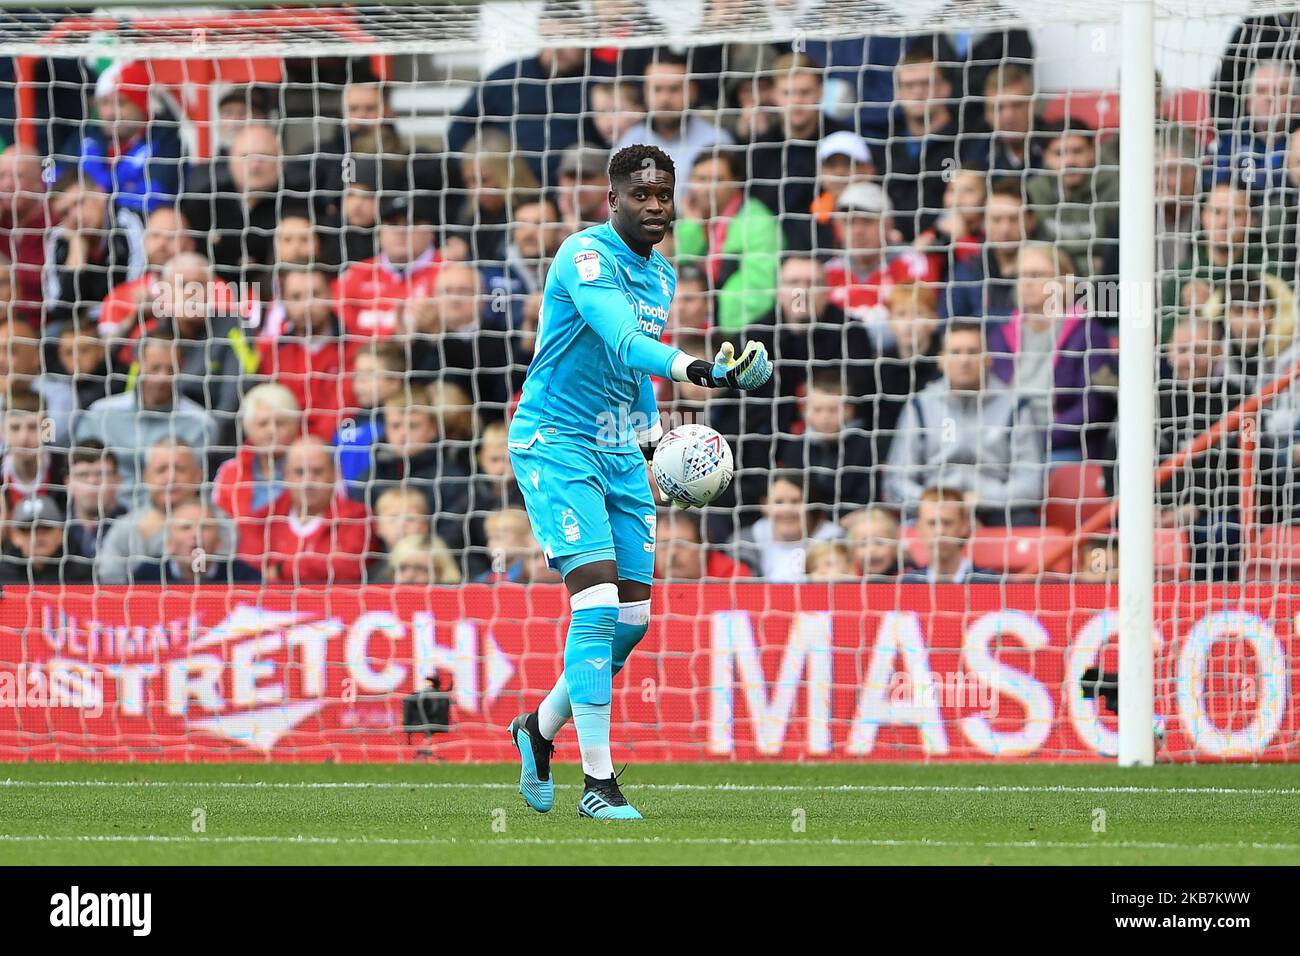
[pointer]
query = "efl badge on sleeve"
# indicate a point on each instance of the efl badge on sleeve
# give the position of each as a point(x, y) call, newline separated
point(588, 264)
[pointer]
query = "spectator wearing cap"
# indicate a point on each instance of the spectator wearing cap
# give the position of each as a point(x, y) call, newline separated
point(735, 238)
point(371, 296)
point(33, 547)
point(784, 162)
point(537, 101)
point(24, 222)
point(924, 146)
point(842, 159)
point(861, 277)
point(131, 423)
point(23, 380)
point(239, 216)
point(130, 154)
point(1258, 318)
point(583, 193)
point(194, 552)
point(95, 246)
point(670, 122)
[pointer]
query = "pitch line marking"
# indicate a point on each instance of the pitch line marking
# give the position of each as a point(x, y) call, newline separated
point(668, 787)
point(636, 841)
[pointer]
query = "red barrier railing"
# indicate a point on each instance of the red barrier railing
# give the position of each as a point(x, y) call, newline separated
point(1234, 421)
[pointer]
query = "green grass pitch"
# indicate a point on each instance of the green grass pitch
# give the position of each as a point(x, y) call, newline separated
point(696, 813)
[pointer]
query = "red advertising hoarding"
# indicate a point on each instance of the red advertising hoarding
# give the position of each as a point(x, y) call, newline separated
point(727, 672)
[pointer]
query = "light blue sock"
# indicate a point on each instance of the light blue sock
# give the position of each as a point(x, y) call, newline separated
point(633, 622)
point(589, 673)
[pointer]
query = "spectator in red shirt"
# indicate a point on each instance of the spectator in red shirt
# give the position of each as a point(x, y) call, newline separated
point(311, 357)
point(372, 294)
point(861, 278)
point(24, 221)
point(249, 485)
point(313, 535)
point(680, 556)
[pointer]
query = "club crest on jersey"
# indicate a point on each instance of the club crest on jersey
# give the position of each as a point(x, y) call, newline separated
point(588, 264)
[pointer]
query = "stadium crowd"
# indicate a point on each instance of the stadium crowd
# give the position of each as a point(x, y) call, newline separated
point(268, 365)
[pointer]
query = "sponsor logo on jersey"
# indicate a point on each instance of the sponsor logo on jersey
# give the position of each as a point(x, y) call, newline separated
point(569, 522)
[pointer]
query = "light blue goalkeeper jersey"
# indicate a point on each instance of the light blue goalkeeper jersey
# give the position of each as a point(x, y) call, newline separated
point(603, 311)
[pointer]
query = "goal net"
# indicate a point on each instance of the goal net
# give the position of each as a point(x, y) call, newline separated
point(274, 277)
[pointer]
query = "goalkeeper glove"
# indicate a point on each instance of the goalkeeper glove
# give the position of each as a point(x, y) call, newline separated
point(752, 370)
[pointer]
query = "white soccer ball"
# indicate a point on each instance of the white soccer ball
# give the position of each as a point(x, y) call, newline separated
point(693, 465)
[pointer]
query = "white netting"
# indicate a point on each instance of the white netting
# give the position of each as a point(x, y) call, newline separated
point(236, 230)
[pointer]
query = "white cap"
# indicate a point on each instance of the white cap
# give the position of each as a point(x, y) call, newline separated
point(844, 143)
point(864, 197)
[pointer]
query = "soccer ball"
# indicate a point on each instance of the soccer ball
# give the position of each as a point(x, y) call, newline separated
point(693, 465)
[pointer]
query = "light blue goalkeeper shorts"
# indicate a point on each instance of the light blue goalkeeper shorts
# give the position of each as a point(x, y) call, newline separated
point(585, 506)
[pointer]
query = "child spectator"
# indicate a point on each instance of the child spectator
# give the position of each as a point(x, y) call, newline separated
point(872, 536)
point(28, 468)
point(510, 546)
point(93, 483)
point(413, 457)
point(130, 154)
point(310, 355)
point(313, 534)
point(401, 513)
point(1054, 354)
point(379, 375)
point(959, 231)
point(493, 488)
point(424, 561)
point(831, 445)
point(248, 486)
point(616, 107)
point(829, 562)
point(83, 365)
point(777, 544)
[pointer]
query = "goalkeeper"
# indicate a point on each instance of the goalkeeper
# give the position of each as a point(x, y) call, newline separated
point(586, 415)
